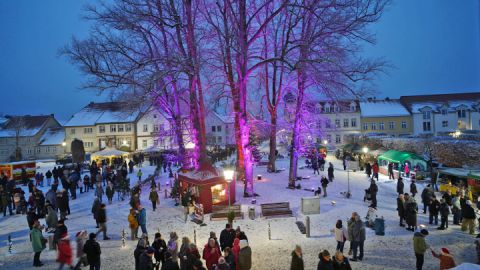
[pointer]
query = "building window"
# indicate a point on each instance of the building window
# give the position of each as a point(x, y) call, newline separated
point(337, 123)
point(391, 125)
point(365, 126)
point(338, 139)
point(337, 108)
point(154, 116)
point(444, 111)
point(155, 142)
point(219, 128)
point(54, 149)
point(88, 130)
point(101, 129)
point(353, 108)
point(120, 128)
point(404, 124)
point(128, 127)
point(426, 126)
point(113, 128)
point(461, 114)
point(354, 122)
point(319, 124)
point(161, 127)
point(382, 126)
point(426, 115)
point(29, 151)
point(38, 150)
point(328, 123)
point(444, 123)
point(327, 109)
point(345, 123)
point(329, 138)
point(213, 128)
point(374, 126)
point(88, 144)
point(155, 128)
point(72, 131)
point(144, 143)
point(219, 140)
point(145, 128)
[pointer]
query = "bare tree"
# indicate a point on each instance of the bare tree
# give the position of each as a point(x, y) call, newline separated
point(17, 125)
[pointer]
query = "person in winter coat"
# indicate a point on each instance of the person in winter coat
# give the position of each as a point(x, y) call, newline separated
point(81, 237)
point(340, 235)
point(433, 209)
point(133, 224)
point(102, 221)
point(420, 247)
point(99, 191)
point(477, 247)
point(447, 196)
point(51, 196)
point(297, 259)
point(110, 191)
point(240, 234)
point(59, 231)
point(427, 196)
point(95, 207)
point(236, 251)
point(211, 253)
point(62, 203)
point(51, 219)
point(145, 260)
point(139, 250)
point(324, 182)
point(160, 248)
point(411, 210)
point(373, 193)
point(139, 175)
point(64, 252)
point(457, 209)
point(183, 253)
point(413, 188)
point(325, 262)
point(340, 262)
point(390, 171)
point(400, 185)
point(153, 198)
point(172, 246)
point(38, 243)
point(375, 170)
point(169, 263)
point(368, 169)
point(315, 166)
point(230, 259)
point(444, 212)
point(226, 237)
point(401, 209)
point(358, 237)
point(244, 256)
point(468, 218)
point(330, 172)
point(222, 264)
point(93, 251)
point(446, 259)
point(142, 218)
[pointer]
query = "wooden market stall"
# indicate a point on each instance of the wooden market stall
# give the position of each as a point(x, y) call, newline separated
point(208, 187)
point(454, 179)
point(399, 160)
point(473, 182)
point(108, 154)
point(14, 169)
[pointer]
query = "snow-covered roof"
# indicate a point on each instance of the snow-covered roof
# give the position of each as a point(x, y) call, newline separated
point(103, 113)
point(452, 101)
point(53, 136)
point(436, 106)
point(27, 125)
point(382, 108)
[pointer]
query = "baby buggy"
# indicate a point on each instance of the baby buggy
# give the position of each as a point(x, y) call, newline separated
point(367, 196)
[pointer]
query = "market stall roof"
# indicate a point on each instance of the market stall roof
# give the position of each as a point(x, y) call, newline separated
point(108, 152)
point(474, 175)
point(398, 156)
point(459, 172)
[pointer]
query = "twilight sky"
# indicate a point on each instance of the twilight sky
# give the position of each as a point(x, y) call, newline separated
point(434, 46)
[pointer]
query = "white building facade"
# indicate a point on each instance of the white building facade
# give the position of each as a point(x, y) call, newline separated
point(220, 130)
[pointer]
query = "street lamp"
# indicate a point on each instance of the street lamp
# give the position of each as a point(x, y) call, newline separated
point(228, 174)
point(365, 149)
point(64, 144)
point(325, 142)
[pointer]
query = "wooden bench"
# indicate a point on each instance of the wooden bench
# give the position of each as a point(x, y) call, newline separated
point(272, 210)
point(220, 212)
point(262, 163)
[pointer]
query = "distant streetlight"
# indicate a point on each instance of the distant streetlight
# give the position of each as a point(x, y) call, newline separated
point(228, 174)
point(325, 141)
point(457, 134)
point(365, 149)
point(64, 144)
point(124, 142)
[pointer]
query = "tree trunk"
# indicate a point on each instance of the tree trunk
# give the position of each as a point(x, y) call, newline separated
point(178, 129)
point(273, 142)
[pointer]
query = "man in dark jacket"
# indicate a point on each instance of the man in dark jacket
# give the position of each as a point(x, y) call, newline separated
point(95, 207)
point(433, 209)
point(226, 237)
point(169, 264)
point(59, 231)
point(330, 172)
point(325, 262)
point(413, 188)
point(444, 212)
point(297, 259)
point(427, 195)
point(62, 204)
point(401, 209)
point(373, 193)
point(400, 185)
point(390, 171)
point(102, 221)
point(160, 247)
point(92, 250)
point(468, 218)
point(145, 261)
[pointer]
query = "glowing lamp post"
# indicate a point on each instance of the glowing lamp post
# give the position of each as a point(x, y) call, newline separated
point(325, 142)
point(365, 149)
point(228, 174)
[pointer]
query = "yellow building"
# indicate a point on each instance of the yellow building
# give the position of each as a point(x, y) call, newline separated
point(385, 117)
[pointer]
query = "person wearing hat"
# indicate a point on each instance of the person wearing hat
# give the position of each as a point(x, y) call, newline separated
point(468, 218)
point(160, 247)
point(226, 237)
point(420, 246)
point(325, 262)
point(64, 251)
point(444, 212)
point(297, 259)
point(93, 251)
point(142, 246)
point(446, 259)
point(145, 260)
point(169, 263)
point(61, 229)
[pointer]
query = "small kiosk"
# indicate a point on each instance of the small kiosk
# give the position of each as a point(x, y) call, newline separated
point(454, 179)
point(108, 154)
point(208, 186)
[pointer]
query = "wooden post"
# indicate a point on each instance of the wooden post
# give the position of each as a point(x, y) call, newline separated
point(269, 232)
point(166, 196)
point(123, 238)
point(195, 236)
point(307, 226)
point(10, 244)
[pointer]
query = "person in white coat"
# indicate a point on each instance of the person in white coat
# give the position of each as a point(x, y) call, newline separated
point(341, 235)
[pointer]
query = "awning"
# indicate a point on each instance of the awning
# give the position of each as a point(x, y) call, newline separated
point(399, 157)
point(459, 172)
point(109, 152)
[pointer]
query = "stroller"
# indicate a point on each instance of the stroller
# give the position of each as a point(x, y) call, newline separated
point(370, 218)
point(367, 196)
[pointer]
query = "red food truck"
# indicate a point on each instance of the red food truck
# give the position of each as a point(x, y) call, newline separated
point(14, 169)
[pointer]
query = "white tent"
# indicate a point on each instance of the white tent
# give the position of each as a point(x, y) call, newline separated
point(466, 266)
point(109, 152)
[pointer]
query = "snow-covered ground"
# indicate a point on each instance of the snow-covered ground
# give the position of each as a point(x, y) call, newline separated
point(392, 251)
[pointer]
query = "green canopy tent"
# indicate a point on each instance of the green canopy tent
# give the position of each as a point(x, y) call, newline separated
point(400, 158)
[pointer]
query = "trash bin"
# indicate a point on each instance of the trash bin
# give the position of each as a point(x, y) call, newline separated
point(379, 226)
point(251, 212)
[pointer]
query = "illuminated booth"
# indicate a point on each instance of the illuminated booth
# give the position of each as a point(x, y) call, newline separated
point(208, 186)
